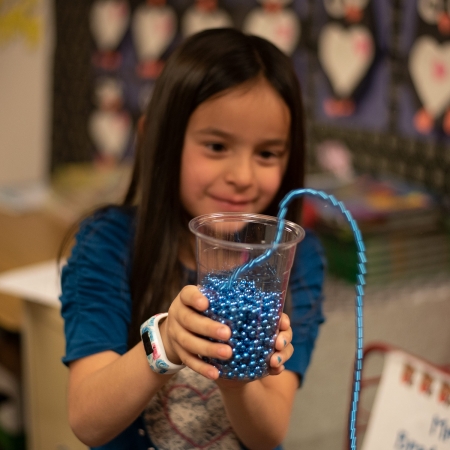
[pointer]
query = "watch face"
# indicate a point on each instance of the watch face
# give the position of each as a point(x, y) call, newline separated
point(147, 343)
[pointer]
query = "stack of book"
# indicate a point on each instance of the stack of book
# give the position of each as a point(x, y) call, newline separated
point(402, 227)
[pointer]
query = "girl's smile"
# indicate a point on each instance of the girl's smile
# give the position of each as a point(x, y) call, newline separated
point(232, 204)
point(235, 151)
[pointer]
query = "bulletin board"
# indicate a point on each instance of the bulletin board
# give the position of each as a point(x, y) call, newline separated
point(357, 67)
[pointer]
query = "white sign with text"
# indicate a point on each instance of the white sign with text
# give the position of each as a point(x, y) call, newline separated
point(412, 407)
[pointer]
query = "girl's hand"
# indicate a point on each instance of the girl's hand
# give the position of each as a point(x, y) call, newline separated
point(184, 330)
point(283, 346)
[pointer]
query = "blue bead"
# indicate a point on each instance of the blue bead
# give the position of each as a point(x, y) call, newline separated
point(251, 313)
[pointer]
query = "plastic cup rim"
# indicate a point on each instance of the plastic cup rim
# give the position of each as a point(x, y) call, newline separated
point(227, 216)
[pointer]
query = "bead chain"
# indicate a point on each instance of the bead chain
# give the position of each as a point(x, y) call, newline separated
point(360, 282)
point(253, 326)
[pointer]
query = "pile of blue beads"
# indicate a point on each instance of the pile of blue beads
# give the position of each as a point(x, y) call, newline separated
point(253, 316)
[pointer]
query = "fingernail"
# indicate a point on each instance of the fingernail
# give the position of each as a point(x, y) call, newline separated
point(223, 332)
point(285, 343)
point(279, 359)
point(223, 351)
point(211, 374)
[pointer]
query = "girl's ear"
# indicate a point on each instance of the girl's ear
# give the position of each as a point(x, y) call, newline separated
point(140, 125)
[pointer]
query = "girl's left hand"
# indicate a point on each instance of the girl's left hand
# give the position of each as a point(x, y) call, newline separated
point(283, 346)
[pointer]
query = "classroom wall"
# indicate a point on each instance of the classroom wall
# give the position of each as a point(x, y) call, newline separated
point(26, 52)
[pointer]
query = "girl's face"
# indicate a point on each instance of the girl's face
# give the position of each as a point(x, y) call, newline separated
point(235, 151)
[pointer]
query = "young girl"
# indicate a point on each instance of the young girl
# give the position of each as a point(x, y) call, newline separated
point(223, 132)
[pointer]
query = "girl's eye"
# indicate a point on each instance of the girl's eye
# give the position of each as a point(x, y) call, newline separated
point(216, 147)
point(267, 154)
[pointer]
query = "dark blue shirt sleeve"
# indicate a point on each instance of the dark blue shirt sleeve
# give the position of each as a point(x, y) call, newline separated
point(306, 285)
point(96, 300)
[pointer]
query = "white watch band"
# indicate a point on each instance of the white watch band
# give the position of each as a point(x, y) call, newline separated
point(154, 348)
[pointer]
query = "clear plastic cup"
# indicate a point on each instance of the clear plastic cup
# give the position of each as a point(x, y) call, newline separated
point(250, 303)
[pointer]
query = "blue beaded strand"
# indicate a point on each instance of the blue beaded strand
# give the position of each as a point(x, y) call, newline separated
point(253, 315)
point(360, 282)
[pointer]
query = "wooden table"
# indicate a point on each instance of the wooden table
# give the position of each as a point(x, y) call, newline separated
point(35, 355)
point(25, 239)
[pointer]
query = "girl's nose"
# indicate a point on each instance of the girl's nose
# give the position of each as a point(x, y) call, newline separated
point(239, 172)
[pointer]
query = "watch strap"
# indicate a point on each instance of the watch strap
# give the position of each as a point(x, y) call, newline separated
point(154, 348)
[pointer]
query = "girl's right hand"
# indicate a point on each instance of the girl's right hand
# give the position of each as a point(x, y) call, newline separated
point(184, 331)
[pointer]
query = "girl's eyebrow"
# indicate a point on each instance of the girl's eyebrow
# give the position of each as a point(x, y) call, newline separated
point(215, 132)
point(223, 134)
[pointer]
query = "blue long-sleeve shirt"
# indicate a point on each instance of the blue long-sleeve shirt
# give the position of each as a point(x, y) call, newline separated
point(96, 301)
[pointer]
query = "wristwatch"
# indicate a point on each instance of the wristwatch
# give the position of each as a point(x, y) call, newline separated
point(154, 348)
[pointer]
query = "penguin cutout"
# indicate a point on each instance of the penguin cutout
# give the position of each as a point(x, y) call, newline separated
point(154, 26)
point(429, 66)
point(346, 52)
point(110, 125)
point(276, 23)
point(203, 15)
point(108, 20)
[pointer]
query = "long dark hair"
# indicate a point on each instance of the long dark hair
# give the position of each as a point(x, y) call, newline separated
point(204, 65)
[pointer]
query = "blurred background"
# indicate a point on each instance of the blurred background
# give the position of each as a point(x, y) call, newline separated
point(76, 76)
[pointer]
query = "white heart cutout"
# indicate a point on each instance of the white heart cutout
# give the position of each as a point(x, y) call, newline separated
point(195, 20)
point(429, 66)
point(346, 55)
point(282, 28)
point(110, 132)
point(109, 21)
point(154, 29)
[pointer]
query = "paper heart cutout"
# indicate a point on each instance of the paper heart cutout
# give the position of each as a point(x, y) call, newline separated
point(282, 28)
point(110, 132)
point(108, 22)
point(153, 28)
point(195, 20)
point(429, 66)
point(346, 55)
